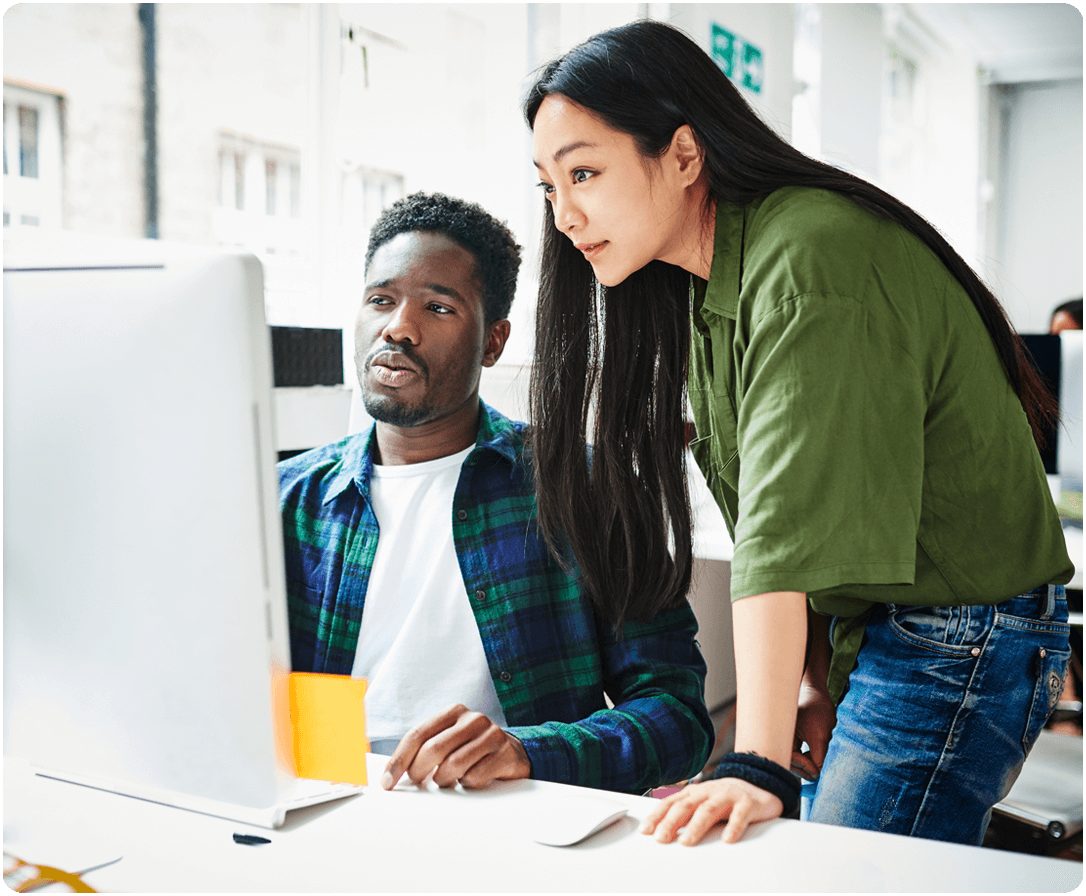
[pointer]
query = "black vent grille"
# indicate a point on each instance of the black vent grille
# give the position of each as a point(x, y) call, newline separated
point(307, 356)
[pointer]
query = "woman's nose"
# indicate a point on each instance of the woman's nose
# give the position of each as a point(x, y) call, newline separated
point(567, 215)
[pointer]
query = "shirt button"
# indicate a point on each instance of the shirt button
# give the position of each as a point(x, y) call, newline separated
point(461, 514)
point(480, 596)
point(506, 677)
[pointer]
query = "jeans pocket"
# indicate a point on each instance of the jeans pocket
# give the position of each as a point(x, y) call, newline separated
point(949, 631)
point(1051, 668)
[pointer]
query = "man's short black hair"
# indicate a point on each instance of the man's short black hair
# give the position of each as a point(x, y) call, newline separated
point(1073, 307)
point(497, 255)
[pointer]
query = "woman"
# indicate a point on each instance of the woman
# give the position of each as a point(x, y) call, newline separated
point(863, 413)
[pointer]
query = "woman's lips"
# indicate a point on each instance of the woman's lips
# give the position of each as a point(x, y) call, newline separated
point(591, 250)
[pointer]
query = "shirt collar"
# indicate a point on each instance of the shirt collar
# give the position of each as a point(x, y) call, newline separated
point(496, 433)
point(721, 294)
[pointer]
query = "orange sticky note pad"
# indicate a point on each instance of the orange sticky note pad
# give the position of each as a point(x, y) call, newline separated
point(328, 726)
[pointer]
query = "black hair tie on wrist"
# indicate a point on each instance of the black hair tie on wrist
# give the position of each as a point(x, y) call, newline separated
point(763, 773)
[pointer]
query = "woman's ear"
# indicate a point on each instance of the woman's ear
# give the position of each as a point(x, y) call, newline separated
point(688, 154)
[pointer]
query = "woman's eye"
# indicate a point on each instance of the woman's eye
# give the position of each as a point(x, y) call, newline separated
point(578, 176)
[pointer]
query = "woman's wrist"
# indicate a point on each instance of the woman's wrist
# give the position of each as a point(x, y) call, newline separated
point(770, 635)
point(764, 773)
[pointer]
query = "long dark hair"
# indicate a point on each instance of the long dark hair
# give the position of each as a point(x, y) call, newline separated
point(647, 79)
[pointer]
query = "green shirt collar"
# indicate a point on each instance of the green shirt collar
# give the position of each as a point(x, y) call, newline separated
point(726, 272)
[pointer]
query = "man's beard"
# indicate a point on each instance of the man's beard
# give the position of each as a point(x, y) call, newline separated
point(385, 409)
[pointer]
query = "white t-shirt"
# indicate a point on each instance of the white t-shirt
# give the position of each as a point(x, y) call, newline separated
point(419, 646)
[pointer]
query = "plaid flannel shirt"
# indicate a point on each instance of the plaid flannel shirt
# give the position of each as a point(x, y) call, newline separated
point(550, 658)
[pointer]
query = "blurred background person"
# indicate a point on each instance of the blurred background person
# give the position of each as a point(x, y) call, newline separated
point(1067, 316)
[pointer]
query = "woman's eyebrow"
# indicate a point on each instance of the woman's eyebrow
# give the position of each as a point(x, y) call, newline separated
point(567, 149)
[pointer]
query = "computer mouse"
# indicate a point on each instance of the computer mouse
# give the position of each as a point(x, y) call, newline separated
point(565, 820)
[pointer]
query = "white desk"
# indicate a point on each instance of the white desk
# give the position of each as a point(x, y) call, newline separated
point(411, 840)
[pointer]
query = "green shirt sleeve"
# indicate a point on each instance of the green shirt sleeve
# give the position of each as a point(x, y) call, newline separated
point(830, 432)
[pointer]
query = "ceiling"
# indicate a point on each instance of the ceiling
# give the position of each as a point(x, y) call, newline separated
point(1013, 41)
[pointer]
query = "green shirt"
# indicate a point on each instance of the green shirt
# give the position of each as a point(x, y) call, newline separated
point(855, 424)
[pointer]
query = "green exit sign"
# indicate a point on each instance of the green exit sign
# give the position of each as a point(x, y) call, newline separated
point(738, 58)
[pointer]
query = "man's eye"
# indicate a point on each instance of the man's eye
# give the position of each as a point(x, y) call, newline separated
point(378, 300)
point(440, 309)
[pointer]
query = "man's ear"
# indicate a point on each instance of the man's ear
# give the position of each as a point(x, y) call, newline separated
point(496, 335)
point(688, 154)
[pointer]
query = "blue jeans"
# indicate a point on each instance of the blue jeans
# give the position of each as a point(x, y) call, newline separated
point(941, 711)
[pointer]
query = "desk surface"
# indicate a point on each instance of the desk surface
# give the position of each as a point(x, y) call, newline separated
point(432, 840)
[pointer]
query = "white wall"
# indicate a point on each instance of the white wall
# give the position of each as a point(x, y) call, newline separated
point(1037, 261)
point(931, 145)
point(769, 26)
point(851, 89)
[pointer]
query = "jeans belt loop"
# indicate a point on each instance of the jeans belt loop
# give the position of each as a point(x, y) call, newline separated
point(1050, 602)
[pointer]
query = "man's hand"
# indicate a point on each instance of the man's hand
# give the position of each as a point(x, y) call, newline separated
point(697, 807)
point(457, 745)
point(816, 713)
point(814, 723)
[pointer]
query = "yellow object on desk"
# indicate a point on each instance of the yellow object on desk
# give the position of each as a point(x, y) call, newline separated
point(329, 728)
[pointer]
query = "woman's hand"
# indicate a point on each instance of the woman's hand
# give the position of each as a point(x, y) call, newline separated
point(698, 807)
point(770, 635)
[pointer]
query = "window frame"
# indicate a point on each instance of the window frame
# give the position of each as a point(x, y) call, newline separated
point(33, 201)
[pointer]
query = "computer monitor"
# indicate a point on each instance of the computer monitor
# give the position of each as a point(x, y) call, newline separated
point(1058, 359)
point(1069, 438)
point(145, 623)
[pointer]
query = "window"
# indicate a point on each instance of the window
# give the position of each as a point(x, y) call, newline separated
point(259, 191)
point(366, 193)
point(901, 149)
point(32, 158)
point(254, 97)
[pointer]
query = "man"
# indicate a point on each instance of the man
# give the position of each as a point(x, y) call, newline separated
point(1067, 316)
point(413, 558)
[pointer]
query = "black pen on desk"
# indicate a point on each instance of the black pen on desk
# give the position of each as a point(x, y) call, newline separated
point(250, 839)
